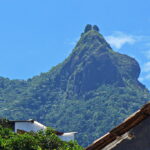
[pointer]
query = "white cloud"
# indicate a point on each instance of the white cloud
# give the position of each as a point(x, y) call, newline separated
point(141, 79)
point(146, 67)
point(147, 54)
point(145, 78)
point(118, 39)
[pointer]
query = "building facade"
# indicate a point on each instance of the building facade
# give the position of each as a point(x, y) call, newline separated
point(21, 126)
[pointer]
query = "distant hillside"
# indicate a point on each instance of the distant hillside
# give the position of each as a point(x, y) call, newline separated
point(90, 92)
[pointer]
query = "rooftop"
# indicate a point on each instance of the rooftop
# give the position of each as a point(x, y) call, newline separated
point(132, 121)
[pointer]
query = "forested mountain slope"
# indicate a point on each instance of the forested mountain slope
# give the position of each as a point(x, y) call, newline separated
point(90, 92)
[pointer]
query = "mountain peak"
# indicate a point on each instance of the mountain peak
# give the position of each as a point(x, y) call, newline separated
point(92, 40)
point(89, 27)
point(93, 63)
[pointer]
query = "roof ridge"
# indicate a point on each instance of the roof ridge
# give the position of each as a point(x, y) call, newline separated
point(132, 121)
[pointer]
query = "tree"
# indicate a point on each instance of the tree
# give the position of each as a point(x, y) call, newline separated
point(88, 28)
point(96, 28)
point(42, 140)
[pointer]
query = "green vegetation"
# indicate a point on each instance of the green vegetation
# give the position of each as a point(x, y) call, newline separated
point(42, 140)
point(88, 28)
point(96, 28)
point(92, 91)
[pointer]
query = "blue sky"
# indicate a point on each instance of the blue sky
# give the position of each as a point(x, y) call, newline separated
point(36, 35)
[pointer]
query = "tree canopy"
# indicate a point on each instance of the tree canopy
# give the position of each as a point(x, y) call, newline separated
point(96, 28)
point(88, 28)
point(42, 140)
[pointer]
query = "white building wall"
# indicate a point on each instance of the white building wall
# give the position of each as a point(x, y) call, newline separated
point(29, 126)
point(36, 126)
point(68, 136)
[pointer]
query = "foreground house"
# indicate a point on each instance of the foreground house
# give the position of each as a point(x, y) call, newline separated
point(132, 134)
point(22, 126)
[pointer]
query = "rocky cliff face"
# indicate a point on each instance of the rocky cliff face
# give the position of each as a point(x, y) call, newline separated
point(93, 63)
